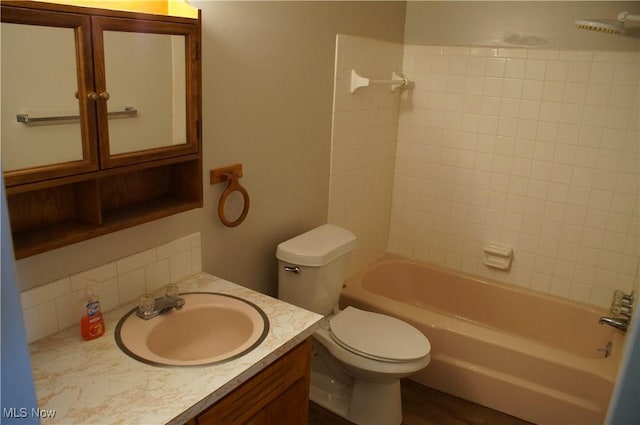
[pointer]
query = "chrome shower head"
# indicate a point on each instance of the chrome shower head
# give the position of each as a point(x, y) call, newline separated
point(605, 26)
point(608, 26)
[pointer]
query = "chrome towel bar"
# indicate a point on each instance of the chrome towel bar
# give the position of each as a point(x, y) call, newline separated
point(128, 112)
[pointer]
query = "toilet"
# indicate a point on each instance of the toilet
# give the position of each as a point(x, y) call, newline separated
point(359, 357)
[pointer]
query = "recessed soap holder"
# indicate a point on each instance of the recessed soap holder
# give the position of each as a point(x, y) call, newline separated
point(498, 256)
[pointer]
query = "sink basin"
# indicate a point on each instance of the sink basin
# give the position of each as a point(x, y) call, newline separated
point(211, 328)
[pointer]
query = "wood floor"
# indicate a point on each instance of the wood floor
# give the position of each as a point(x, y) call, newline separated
point(426, 406)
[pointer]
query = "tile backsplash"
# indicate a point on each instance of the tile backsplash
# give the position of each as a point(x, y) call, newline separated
point(57, 305)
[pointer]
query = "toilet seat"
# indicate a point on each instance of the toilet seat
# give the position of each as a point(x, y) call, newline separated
point(377, 336)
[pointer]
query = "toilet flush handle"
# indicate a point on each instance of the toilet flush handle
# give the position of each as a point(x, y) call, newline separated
point(292, 269)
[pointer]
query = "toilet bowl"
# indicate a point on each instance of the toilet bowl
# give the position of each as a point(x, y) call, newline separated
point(359, 357)
point(376, 351)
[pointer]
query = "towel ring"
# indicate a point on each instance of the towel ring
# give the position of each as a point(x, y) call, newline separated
point(233, 186)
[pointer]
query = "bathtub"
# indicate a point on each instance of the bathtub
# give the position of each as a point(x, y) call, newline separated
point(533, 356)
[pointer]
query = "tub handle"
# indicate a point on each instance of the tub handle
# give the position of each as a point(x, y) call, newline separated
point(292, 269)
point(606, 350)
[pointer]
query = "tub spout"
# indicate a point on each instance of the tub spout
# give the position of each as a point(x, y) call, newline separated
point(616, 322)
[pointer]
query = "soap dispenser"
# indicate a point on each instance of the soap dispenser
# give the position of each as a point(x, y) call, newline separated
point(92, 323)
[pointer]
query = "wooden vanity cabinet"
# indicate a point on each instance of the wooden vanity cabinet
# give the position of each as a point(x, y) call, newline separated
point(58, 204)
point(279, 395)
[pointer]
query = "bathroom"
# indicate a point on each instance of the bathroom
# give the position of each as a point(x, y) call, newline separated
point(267, 103)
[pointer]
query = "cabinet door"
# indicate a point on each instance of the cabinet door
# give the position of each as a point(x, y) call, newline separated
point(47, 90)
point(290, 408)
point(147, 78)
point(279, 395)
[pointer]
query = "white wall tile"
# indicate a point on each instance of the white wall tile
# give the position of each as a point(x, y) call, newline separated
point(365, 132)
point(136, 261)
point(69, 309)
point(157, 275)
point(44, 293)
point(90, 277)
point(59, 304)
point(40, 320)
point(552, 132)
point(109, 294)
point(174, 247)
point(180, 265)
point(131, 285)
point(535, 69)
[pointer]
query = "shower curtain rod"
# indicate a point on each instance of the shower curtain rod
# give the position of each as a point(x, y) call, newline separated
point(358, 81)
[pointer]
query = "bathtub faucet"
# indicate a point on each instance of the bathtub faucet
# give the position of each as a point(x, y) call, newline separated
point(617, 322)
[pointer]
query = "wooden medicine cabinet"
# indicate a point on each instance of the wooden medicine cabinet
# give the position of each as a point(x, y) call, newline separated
point(101, 118)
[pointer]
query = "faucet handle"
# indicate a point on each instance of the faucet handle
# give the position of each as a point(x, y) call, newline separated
point(146, 305)
point(622, 310)
point(625, 302)
point(171, 290)
point(621, 303)
point(619, 296)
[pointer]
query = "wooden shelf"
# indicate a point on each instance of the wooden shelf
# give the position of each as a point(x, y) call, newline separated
point(44, 239)
point(60, 215)
point(147, 211)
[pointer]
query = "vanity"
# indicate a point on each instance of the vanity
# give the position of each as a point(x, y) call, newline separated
point(96, 382)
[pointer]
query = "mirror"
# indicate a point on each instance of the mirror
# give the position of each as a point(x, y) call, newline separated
point(39, 79)
point(81, 93)
point(145, 72)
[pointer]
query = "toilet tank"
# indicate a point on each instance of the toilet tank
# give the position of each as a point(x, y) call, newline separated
point(312, 267)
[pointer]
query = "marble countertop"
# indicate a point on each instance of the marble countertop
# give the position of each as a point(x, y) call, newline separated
point(94, 382)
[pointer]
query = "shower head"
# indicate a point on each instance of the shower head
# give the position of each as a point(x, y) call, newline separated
point(607, 26)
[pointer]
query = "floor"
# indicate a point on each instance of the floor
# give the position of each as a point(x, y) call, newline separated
point(426, 406)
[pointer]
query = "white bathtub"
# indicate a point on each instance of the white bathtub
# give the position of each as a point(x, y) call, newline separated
point(524, 353)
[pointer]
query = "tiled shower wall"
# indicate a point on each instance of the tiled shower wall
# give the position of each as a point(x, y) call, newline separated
point(364, 144)
point(57, 305)
point(534, 149)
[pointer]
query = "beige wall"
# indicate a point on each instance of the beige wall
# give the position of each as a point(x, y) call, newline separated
point(267, 88)
point(547, 24)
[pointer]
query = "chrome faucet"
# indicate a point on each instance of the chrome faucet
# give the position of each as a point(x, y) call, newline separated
point(621, 308)
point(621, 323)
point(149, 307)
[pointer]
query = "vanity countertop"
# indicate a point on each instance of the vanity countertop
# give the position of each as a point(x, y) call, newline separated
point(94, 382)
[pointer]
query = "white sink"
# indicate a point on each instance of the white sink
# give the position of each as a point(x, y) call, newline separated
point(210, 328)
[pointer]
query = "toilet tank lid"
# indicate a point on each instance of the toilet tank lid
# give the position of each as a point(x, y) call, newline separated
point(317, 247)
